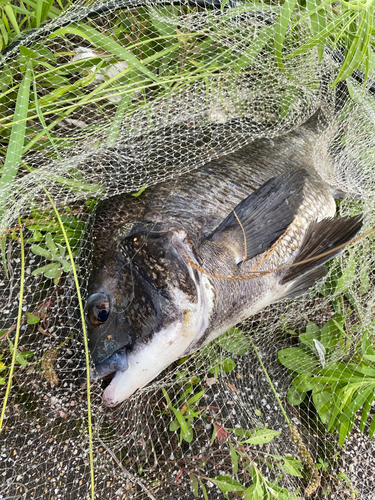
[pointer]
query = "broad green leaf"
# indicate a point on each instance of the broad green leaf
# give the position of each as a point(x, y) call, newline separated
point(323, 402)
point(297, 359)
point(50, 244)
point(174, 426)
point(29, 53)
point(31, 318)
point(370, 357)
point(226, 484)
point(254, 492)
point(228, 365)
point(38, 250)
point(20, 359)
point(292, 466)
point(62, 249)
point(67, 266)
point(53, 272)
point(234, 341)
point(242, 432)
point(312, 332)
point(331, 333)
point(304, 382)
point(195, 398)
point(43, 269)
point(261, 436)
point(295, 397)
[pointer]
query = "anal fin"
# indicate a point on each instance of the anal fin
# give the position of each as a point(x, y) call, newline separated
point(303, 283)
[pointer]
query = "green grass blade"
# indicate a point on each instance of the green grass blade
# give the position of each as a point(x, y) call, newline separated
point(46, 8)
point(320, 37)
point(18, 327)
point(372, 428)
point(38, 12)
point(4, 32)
point(52, 13)
point(85, 340)
point(16, 141)
point(318, 22)
point(280, 30)
point(365, 412)
point(256, 46)
point(358, 47)
point(12, 18)
point(109, 45)
point(344, 430)
point(116, 125)
point(3, 254)
point(41, 117)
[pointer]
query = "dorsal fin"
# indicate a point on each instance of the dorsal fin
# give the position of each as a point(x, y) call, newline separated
point(319, 238)
point(263, 216)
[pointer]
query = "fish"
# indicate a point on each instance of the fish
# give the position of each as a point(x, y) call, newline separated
point(193, 256)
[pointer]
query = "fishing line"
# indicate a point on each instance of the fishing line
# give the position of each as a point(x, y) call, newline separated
point(258, 274)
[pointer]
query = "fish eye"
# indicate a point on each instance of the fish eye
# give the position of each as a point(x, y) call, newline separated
point(97, 308)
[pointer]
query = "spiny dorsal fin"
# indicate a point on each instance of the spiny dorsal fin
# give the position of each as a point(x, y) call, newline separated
point(262, 217)
point(319, 238)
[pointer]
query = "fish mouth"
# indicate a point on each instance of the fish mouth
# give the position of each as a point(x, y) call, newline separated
point(106, 370)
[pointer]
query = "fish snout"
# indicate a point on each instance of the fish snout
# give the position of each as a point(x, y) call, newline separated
point(118, 361)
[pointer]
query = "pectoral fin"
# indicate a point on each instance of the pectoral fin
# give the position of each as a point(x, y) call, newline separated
point(261, 218)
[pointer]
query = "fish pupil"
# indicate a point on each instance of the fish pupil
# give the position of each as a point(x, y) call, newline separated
point(103, 315)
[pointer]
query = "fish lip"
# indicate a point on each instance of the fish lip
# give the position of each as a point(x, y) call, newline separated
point(116, 362)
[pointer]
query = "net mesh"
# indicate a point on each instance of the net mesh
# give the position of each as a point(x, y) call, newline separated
point(107, 99)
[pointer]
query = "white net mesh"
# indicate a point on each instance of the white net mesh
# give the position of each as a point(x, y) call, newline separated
point(107, 99)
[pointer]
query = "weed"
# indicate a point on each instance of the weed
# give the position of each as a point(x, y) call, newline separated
point(339, 390)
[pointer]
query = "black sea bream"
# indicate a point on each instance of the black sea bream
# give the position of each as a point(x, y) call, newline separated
point(260, 208)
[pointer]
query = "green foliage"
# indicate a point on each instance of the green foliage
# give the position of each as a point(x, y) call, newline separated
point(185, 414)
point(234, 342)
point(339, 390)
point(261, 487)
point(20, 359)
point(46, 231)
